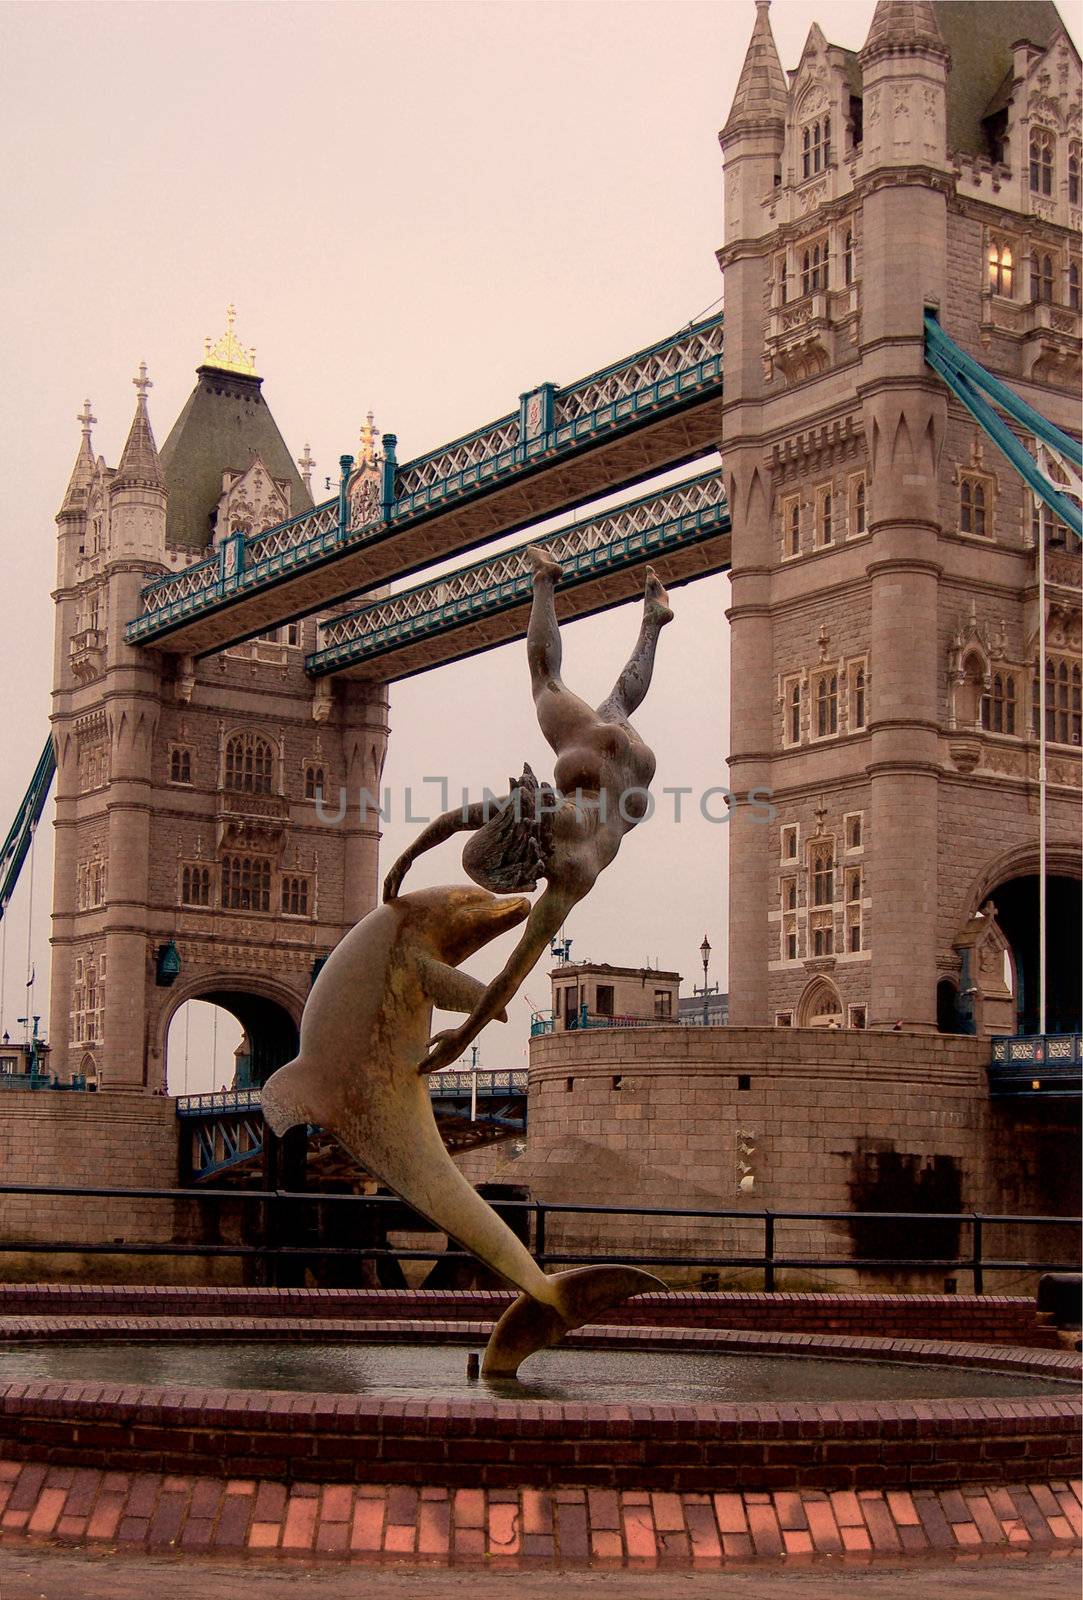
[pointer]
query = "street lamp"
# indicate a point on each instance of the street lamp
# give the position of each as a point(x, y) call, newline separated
point(708, 989)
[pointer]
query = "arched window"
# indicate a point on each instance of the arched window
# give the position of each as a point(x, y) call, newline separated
point(1073, 173)
point(848, 258)
point(1073, 285)
point(180, 765)
point(972, 507)
point(795, 528)
point(814, 267)
point(315, 782)
point(1001, 264)
point(815, 146)
point(793, 713)
point(822, 872)
point(1063, 702)
point(826, 517)
point(857, 699)
point(827, 705)
point(249, 764)
point(246, 883)
point(998, 706)
point(1041, 161)
point(295, 897)
point(1041, 278)
point(195, 885)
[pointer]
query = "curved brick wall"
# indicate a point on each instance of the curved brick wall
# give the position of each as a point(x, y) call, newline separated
point(794, 1119)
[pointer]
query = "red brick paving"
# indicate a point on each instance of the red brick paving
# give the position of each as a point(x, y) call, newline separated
point(566, 1527)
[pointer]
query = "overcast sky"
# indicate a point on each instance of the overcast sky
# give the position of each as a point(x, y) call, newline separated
point(422, 209)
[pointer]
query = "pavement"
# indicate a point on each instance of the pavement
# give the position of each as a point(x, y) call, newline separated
point(55, 1574)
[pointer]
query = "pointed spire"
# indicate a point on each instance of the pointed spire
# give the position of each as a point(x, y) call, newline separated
point(83, 471)
point(901, 26)
point(366, 450)
point(761, 88)
point(139, 465)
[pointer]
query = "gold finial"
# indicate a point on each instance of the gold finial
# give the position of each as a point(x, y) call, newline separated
point(87, 420)
point(366, 450)
point(229, 355)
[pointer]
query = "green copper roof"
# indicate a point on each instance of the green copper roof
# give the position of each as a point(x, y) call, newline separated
point(980, 38)
point(225, 424)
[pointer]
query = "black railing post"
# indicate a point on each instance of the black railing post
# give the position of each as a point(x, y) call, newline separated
point(769, 1252)
point(539, 1230)
point(976, 1253)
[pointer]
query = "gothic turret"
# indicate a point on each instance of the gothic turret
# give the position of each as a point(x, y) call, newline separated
point(137, 493)
point(901, 26)
point(139, 465)
point(753, 135)
point(75, 499)
point(761, 88)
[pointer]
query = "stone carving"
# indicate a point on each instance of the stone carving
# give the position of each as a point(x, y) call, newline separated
point(365, 1048)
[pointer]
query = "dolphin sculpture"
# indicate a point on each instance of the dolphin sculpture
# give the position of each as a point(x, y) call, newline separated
point(360, 1073)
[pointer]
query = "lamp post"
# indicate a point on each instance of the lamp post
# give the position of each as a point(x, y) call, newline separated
point(708, 989)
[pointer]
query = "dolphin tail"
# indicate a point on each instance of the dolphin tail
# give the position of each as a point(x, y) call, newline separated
point(579, 1295)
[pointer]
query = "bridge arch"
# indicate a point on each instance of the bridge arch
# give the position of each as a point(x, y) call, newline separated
point(268, 1012)
point(1010, 884)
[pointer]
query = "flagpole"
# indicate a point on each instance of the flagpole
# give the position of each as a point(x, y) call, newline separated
point(1041, 773)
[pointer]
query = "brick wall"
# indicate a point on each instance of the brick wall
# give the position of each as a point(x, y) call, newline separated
point(82, 1141)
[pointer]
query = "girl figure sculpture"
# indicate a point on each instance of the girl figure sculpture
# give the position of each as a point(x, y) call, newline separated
point(567, 835)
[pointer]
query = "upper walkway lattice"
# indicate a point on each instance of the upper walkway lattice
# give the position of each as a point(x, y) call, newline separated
point(651, 411)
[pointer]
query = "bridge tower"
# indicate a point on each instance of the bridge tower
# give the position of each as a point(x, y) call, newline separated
point(190, 859)
point(884, 581)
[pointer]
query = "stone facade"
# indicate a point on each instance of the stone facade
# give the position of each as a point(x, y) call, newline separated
point(188, 791)
point(884, 590)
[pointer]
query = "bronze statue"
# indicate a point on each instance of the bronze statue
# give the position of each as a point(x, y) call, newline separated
point(568, 836)
point(365, 1048)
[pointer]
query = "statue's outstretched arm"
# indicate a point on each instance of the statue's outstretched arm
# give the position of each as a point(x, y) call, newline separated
point(544, 922)
point(462, 820)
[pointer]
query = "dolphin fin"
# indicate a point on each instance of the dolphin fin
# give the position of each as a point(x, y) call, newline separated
point(581, 1294)
point(290, 1096)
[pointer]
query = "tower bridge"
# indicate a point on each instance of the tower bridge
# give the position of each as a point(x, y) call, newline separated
point(656, 409)
point(904, 612)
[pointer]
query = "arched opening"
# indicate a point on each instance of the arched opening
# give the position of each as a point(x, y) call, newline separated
point(948, 1016)
point(1016, 902)
point(227, 1039)
point(820, 1006)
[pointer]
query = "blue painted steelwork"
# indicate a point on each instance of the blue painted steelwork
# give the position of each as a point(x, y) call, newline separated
point(551, 426)
point(226, 1127)
point(21, 833)
point(1037, 1066)
point(658, 524)
point(975, 387)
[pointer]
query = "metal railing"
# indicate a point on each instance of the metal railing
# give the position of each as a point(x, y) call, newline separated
point(1037, 1065)
point(271, 1208)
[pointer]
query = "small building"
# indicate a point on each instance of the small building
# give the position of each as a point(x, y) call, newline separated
point(690, 1010)
point(29, 1058)
point(592, 992)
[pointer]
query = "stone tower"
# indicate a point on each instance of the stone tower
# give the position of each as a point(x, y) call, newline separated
point(190, 858)
point(884, 583)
